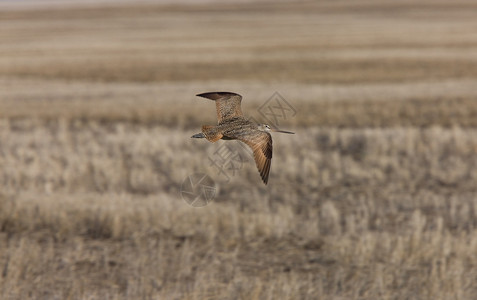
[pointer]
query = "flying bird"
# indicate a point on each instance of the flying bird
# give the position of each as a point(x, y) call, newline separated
point(233, 126)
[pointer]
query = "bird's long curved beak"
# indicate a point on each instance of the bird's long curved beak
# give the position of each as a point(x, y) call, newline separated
point(282, 131)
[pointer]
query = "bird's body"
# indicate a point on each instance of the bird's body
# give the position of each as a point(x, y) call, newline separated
point(233, 126)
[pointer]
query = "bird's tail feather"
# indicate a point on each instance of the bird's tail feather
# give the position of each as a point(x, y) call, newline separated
point(211, 133)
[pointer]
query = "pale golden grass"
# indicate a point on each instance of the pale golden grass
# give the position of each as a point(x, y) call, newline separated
point(374, 197)
point(348, 108)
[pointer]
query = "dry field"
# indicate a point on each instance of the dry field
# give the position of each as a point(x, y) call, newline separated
point(375, 197)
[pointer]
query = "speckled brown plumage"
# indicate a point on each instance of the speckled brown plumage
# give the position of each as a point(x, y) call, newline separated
point(261, 144)
point(227, 104)
point(233, 126)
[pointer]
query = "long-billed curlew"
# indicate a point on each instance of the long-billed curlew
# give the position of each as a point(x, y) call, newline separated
point(233, 126)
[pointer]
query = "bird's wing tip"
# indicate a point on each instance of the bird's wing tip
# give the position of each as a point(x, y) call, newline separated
point(216, 95)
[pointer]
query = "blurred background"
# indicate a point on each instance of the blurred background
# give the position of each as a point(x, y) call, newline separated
point(374, 197)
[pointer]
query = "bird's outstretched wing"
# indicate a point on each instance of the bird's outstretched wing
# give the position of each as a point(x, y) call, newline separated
point(228, 104)
point(261, 144)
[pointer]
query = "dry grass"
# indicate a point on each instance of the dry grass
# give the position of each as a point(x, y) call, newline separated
point(95, 209)
point(373, 198)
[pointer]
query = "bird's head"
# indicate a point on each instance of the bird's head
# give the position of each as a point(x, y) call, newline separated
point(268, 128)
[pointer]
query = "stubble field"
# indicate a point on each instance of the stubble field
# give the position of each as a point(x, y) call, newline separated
point(374, 197)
